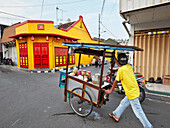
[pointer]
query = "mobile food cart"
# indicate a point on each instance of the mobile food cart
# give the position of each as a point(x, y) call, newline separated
point(84, 95)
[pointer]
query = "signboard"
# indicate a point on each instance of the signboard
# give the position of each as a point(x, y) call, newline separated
point(40, 26)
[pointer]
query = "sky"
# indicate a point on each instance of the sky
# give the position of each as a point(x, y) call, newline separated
point(111, 21)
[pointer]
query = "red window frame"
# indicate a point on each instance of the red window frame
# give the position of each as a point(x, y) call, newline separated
point(23, 53)
point(61, 57)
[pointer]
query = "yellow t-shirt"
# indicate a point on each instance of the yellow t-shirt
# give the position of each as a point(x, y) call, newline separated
point(126, 75)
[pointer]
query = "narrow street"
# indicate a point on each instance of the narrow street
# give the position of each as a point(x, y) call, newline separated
point(30, 100)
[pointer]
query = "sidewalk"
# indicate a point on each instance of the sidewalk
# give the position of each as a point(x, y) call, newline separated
point(10, 67)
point(158, 89)
point(15, 68)
point(39, 70)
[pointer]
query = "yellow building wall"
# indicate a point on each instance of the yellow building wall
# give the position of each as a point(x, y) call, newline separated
point(79, 31)
point(22, 29)
point(51, 54)
point(18, 56)
point(48, 28)
point(33, 28)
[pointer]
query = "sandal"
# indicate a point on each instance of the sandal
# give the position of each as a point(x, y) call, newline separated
point(114, 117)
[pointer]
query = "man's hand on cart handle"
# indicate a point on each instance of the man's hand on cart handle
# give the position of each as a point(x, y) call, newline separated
point(112, 88)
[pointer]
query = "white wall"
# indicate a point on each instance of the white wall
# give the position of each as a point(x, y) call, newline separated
point(152, 25)
point(5, 52)
point(129, 5)
point(10, 52)
point(131, 43)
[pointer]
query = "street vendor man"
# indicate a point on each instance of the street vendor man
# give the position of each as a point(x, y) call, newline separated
point(126, 75)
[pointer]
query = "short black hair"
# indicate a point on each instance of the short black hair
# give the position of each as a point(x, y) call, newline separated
point(122, 59)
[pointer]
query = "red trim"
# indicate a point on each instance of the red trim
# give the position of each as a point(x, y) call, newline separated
point(80, 17)
point(42, 34)
point(87, 31)
point(34, 21)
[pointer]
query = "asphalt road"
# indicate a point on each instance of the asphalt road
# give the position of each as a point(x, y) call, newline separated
point(34, 101)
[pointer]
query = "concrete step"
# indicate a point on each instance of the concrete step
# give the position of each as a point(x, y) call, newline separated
point(158, 88)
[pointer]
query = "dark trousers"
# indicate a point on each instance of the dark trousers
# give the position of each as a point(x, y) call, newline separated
point(96, 64)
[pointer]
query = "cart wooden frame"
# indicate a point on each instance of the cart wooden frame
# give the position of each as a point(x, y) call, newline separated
point(92, 49)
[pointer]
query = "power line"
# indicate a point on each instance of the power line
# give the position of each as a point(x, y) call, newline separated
point(102, 7)
point(1, 17)
point(109, 30)
point(100, 15)
point(111, 11)
point(14, 15)
point(54, 4)
point(42, 9)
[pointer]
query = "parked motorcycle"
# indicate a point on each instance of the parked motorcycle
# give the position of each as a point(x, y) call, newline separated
point(119, 89)
point(7, 61)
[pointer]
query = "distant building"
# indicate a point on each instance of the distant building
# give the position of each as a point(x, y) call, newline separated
point(2, 27)
point(9, 44)
point(111, 41)
point(97, 39)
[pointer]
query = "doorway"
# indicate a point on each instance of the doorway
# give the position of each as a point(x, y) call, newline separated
point(41, 55)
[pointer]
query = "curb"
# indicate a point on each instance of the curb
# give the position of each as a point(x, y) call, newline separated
point(159, 93)
point(155, 92)
point(158, 97)
point(55, 69)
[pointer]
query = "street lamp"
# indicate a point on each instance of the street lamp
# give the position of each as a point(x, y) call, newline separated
point(57, 15)
point(103, 32)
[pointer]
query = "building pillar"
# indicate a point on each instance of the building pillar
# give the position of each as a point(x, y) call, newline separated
point(18, 56)
point(51, 53)
point(3, 51)
point(131, 43)
point(30, 53)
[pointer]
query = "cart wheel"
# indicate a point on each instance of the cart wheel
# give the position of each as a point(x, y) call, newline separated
point(80, 106)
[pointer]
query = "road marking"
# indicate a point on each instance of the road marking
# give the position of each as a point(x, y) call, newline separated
point(158, 95)
point(16, 122)
point(159, 101)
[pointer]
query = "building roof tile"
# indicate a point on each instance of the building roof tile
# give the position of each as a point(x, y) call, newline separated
point(9, 31)
point(66, 25)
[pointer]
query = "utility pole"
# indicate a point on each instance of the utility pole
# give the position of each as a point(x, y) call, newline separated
point(57, 15)
point(62, 15)
point(99, 30)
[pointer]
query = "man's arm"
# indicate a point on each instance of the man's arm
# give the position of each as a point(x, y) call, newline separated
point(112, 88)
